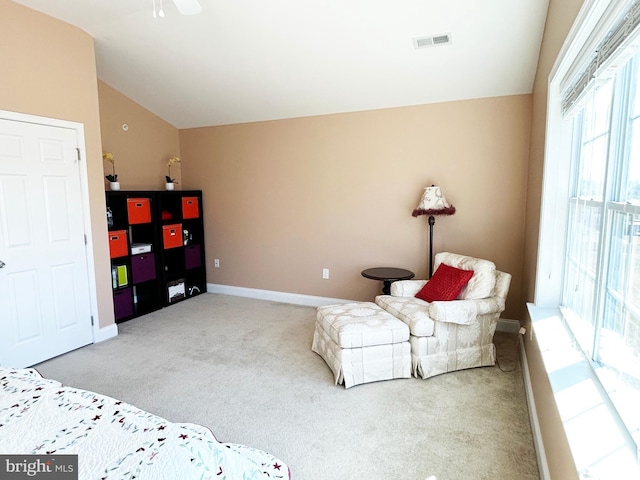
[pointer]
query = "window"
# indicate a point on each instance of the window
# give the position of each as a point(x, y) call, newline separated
point(601, 284)
point(587, 247)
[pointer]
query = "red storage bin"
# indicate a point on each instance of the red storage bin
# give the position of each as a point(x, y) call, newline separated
point(190, 207)
point(172, 235)
point(118, 243)
point(139, 210)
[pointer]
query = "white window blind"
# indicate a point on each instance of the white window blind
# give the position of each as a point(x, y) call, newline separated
point(621, 43)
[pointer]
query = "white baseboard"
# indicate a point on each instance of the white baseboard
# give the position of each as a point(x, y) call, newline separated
point(283, 297)
point(543, 466)
point(102, 334)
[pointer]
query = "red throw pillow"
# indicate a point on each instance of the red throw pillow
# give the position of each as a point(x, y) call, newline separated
point(446, 284)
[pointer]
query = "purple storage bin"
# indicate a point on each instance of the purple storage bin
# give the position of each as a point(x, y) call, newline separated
point(143, 267)
point(192, 256)
point(123, 303)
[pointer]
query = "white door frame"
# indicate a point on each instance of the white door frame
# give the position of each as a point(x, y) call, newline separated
point(86, 211)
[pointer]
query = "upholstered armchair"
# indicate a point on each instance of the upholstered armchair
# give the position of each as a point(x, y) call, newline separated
point(452, 334)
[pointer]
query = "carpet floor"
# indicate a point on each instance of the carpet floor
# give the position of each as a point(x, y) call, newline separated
point(244, 368)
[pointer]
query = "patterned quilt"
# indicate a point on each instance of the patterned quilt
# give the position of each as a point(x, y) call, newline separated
point(115, 440)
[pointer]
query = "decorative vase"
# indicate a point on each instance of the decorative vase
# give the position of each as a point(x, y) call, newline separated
point(114, 186)
point(169, 186)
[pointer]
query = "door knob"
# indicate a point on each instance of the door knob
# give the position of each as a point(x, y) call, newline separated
point(2, 264)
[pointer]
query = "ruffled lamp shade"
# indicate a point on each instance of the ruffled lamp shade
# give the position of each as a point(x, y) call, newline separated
point(433, 203)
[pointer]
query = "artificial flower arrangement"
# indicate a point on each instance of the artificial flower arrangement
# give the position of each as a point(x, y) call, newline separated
point(113, 177)
point(172, 161)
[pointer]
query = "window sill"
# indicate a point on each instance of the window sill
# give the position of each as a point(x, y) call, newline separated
point(600, 445)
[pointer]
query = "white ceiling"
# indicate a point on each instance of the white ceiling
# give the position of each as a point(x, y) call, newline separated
point(252, 60)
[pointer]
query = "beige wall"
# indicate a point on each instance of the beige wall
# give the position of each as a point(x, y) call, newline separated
point(48, 69)
point(560, 18)
point(285, 199)
point(141, 152)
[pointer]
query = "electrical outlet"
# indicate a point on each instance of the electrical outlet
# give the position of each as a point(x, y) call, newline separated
point(325, 273)
point(216, 263)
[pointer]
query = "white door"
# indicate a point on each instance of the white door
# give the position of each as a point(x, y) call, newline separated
point(44, 287)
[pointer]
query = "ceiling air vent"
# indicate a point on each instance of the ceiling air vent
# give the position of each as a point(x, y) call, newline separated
point(432, 40)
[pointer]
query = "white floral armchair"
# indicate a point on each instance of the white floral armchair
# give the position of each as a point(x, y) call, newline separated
point(457, 334)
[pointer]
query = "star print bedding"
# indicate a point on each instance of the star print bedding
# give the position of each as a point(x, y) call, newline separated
point(115, 440)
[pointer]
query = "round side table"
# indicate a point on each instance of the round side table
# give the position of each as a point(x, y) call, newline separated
point(387, 275)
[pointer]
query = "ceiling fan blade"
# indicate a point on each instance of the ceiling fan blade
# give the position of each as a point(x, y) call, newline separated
point(188, 7)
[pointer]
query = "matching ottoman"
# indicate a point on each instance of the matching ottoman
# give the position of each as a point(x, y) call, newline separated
point(361, 343)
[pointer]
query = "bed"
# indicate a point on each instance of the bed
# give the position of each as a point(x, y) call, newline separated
point(115, 440)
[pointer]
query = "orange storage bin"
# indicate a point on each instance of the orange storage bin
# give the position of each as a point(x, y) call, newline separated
point(172, 235)
point(139, 210)
point(190, 207)
point(118, 243)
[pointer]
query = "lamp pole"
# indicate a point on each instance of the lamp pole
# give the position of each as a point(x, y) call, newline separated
point(432, 221)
